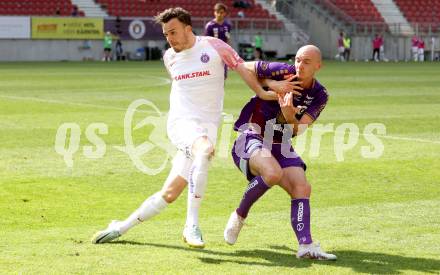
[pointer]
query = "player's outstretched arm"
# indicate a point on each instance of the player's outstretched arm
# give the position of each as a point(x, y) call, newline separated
point(252, 81)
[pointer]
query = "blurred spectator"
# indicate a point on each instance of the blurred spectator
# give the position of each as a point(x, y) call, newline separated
point(341, 48)
point(415, 47)
point(240, 14)
point(108, 41)
point(421, 50)
point(218, 27)
point(347, 47)
point(382, 49)
point(119, 51)
point(258, 43)
point(377, 42)
point(57, 11)
point(75, 11)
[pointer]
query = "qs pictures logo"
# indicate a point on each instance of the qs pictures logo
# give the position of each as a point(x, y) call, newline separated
point(67, 140)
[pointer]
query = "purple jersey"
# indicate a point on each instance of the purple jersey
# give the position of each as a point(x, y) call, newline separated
point(220, 31)
point(262, 112)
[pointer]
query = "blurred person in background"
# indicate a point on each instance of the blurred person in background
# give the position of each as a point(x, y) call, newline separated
point(377, 42)
point(341, 49)
point(415, 47)
point(421, 49)
point(347, 47)
point(219, 27)
point(108, 41)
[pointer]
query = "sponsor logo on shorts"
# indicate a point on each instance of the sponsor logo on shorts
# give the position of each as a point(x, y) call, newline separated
point(300, 226)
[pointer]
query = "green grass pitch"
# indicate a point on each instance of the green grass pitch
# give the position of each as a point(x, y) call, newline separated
point(377, 215)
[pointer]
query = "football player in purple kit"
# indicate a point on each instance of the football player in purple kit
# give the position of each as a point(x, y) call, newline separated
point(264, 153)
point(218, 27)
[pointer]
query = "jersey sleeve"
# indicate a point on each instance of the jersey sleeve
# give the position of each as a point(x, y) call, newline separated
point(229, 56)
point(166, 61)
point(273, 70)
point(318, 104)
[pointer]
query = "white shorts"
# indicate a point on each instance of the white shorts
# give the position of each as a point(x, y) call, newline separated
point(415, 50)
point(183, 133)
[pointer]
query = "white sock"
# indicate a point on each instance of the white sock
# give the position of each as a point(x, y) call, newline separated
point(197, 185)
point(149, 208)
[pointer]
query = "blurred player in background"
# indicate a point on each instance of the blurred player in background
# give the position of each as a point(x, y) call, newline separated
point(219, 27)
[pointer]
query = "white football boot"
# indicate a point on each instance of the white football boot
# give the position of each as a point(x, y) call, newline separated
point(314, 251)
point(193, 236)
point(109, 234)
point(233, 227)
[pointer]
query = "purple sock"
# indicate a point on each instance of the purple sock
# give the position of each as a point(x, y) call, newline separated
point(300, 218)
point(256, 188)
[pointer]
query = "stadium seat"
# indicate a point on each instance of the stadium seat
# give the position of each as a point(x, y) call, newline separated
point(425, 12)
point(37, 7)
point(198, 8)
point(362, 11)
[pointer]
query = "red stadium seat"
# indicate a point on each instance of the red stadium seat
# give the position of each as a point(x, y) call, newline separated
point(360, 10)
point(36, 7)
point(420, 11)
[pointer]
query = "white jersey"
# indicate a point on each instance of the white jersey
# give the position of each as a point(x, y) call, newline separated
point(198, 76)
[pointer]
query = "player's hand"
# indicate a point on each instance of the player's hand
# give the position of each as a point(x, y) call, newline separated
point(285, 100)
point(286, 105)
point(287, 85)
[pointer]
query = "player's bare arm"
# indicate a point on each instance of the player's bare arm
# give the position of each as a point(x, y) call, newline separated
point(252, 81)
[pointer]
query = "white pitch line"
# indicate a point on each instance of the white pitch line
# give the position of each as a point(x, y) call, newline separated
point(53, 101)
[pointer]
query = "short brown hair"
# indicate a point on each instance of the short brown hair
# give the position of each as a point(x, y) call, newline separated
point(182, 15)
point(220, 6)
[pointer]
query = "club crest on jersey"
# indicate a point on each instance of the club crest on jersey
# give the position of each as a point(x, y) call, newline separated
point(204, 58)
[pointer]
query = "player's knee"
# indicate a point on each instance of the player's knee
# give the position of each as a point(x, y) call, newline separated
point(307, 190)
point(301, 190)
point(272, 175)
point(203, 147)
point(170, 195)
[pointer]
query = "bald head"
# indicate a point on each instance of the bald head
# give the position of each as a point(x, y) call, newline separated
point(307, 63)
point(312, 50)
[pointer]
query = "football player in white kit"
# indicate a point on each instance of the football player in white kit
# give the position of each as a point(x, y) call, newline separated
point(196, 65)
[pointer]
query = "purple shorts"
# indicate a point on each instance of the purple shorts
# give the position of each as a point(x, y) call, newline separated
point(247, 143)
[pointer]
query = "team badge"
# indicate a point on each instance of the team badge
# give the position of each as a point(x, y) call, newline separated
point(204, 58)
point(264, 66)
